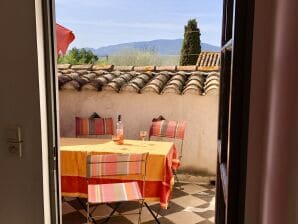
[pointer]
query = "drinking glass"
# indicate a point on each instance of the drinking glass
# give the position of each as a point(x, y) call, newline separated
point(115, 139)
point(143, 135)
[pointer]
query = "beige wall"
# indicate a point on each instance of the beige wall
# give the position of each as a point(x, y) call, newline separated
point(200, 112)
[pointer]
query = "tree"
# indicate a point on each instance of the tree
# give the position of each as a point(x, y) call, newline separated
point(191, 47)
point(78, 56)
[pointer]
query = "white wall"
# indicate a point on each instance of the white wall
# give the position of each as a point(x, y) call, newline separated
point(200, 112)
point(21, 183)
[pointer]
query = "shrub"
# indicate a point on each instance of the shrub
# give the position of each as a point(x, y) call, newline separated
point(78, 56)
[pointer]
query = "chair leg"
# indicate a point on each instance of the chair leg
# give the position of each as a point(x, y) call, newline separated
point(140, 211)
point(112, 213)
point(85, 207)
point(88, 213)
point(177, 179)
point(82, 204)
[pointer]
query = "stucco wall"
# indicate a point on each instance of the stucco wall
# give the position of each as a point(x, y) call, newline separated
point(200, 112)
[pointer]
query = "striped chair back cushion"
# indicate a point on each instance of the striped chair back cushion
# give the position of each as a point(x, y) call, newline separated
point(94, 126)
point(168, 129)
point(115, 164)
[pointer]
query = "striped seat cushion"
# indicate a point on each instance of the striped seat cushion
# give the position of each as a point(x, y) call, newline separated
point(94, 126)
point(114, 164)
point(105, 193)
point(169, 129)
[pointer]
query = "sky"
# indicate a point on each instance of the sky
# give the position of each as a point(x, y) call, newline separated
point(98, 23)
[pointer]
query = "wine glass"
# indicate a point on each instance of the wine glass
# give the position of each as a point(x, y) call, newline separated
point(143, 135)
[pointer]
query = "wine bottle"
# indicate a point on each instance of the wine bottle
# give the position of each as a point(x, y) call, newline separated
point(119, 130)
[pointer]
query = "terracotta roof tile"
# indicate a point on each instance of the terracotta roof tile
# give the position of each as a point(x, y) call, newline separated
point(104, 68)
point(81, 67)
point(187, 68)
point(145, 68)
point(166, 68)
point(159, 80)
point(124, 68)
point(63, 66)
point(208, 61)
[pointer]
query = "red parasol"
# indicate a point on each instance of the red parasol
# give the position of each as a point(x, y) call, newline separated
point(64, 38)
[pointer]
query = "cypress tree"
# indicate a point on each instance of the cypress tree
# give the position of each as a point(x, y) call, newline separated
point(191, 47)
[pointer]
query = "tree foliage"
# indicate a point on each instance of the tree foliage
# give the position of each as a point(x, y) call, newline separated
point(78, 56)
point(191, 47)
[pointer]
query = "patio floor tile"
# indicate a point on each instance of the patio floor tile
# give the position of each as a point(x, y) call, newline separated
point(126, 206)
point(207, 214)
point(101, 210)
point(205, 222)
point(193, 188)
point(67, 208)
point(146, 216)
point(193, 205)
point(204, 196)
point(162, 220)
point(188, 201)
point(178, 193)
point(185, 217)
point(116, 220)
point(173, 208)
point(73, 218)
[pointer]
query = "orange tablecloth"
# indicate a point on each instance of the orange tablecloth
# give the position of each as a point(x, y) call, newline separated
point(159, 180)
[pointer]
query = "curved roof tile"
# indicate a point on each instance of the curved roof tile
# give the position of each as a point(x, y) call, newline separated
point(160, 80)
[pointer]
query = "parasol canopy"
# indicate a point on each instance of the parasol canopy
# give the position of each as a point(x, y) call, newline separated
point(64, 37)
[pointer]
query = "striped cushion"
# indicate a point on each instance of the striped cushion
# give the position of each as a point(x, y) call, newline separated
point(169, 129)
point(114, 164)
point(94, 126)
point(104, 193)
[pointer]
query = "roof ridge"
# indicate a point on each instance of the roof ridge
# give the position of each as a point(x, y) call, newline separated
point(130, 68)
point(207, 61)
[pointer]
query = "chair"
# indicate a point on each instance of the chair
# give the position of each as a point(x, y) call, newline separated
point(169, 129)
point(113, 165)
point(94, 126)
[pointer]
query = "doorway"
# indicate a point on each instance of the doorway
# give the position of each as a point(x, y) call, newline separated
point(87, 76)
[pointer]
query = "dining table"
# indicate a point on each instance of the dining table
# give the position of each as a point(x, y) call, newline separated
point(162, 159)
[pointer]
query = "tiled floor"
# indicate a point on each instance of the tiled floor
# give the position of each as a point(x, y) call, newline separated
point(195, 204)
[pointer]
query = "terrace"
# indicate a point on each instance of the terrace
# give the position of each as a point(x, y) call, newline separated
point(139, 94)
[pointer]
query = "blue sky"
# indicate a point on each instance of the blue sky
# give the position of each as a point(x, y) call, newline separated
point(98, 23)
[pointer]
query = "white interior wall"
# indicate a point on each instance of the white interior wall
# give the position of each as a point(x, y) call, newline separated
point(21, 178)
point(200, 112)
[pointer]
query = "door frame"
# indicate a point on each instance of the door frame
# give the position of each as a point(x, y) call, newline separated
point(241, 69)
point(238, 16)
point(45, 27)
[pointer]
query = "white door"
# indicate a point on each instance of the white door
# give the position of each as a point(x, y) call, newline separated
point(24, 181)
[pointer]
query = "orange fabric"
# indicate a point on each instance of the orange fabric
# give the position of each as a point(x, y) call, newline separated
point(159, 179)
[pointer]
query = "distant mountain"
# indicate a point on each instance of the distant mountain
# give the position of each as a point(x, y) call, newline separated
point(163, 47)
